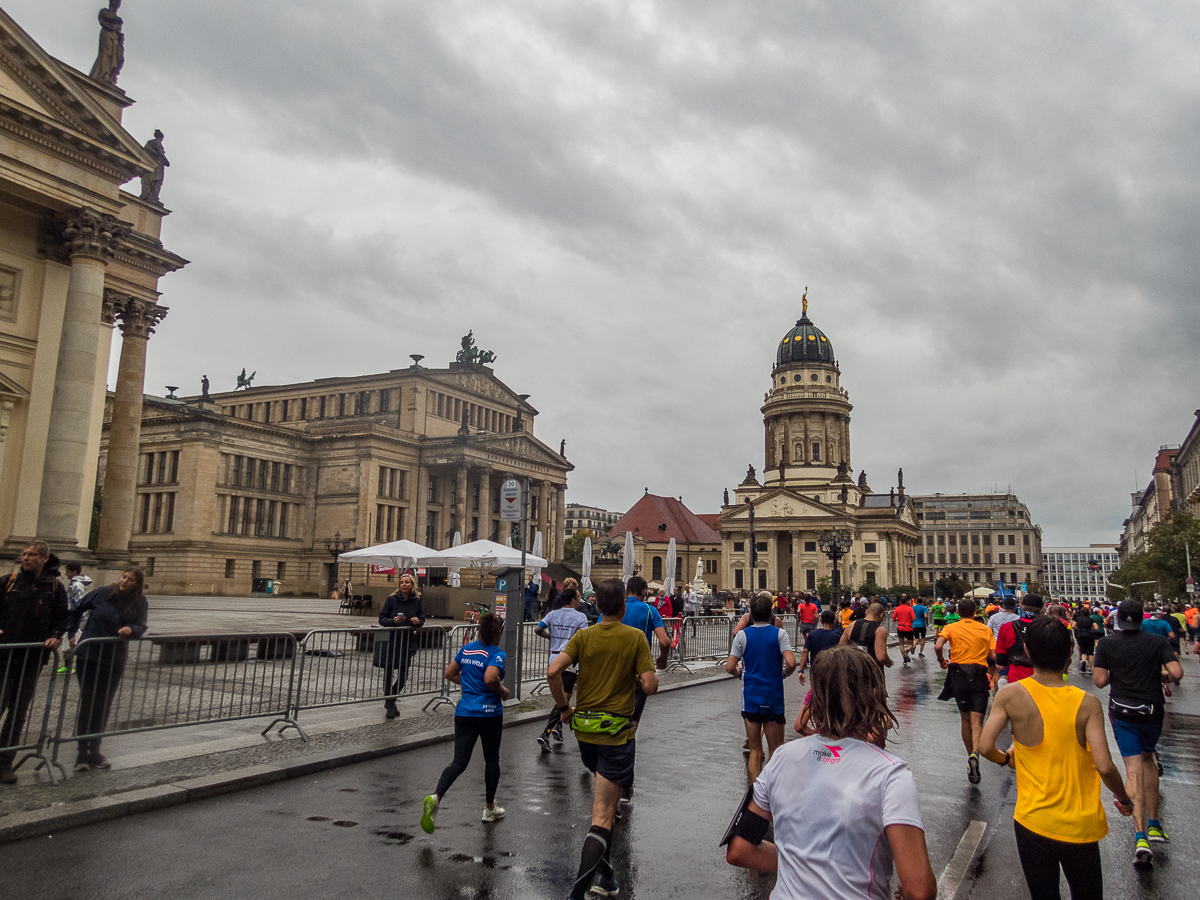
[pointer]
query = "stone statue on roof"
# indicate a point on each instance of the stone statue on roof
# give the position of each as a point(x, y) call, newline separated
point(726, 496)
point(804, 300)
point(152, 183)
point(111, 55)
point(473, 355)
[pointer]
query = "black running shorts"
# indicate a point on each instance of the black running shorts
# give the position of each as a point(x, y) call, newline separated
point(971, 694)
point(614, 762)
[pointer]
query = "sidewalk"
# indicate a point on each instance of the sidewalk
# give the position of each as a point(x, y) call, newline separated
point(165, 768)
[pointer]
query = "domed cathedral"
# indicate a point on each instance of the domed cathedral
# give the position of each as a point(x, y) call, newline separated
point(807, 489)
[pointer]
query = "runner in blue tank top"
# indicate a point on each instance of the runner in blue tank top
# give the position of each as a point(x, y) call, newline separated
point(767, 659)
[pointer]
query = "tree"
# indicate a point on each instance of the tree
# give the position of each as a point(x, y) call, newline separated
point(953, 588)
point(925, 588)
point(869, 589)
point(895, 592)
point(1164, 563)
point(573, 547)
point(1036, 587)
point(825, 588)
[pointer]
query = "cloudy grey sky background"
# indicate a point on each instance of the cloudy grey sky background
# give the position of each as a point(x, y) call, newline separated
point(993, 205)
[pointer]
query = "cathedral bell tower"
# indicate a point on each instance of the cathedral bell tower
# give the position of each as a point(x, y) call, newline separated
point(806, 414)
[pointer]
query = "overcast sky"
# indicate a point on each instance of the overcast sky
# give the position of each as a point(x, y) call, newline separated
point(993, 205)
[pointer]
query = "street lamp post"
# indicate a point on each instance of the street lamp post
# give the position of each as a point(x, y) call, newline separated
point(908, 558)
point(335, 546)
point(835, 545)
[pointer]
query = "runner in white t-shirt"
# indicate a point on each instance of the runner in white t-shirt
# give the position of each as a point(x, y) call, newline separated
point(834, 796)
point(559, 625)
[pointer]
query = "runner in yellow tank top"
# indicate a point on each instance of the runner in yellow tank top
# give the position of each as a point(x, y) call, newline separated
point(1060, 751)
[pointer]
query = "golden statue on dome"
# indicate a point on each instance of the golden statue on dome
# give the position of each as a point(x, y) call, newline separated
point(804, 300)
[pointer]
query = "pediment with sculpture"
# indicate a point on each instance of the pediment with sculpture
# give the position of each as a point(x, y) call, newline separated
point(782, 504)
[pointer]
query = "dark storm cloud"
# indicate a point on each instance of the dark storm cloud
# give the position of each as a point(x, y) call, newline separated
point(994, 206)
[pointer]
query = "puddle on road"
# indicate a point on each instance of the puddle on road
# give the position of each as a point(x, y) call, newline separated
point(318, 818)
point(396, 837)
point(1179, 749)
point(348, 790)
point(345, 823)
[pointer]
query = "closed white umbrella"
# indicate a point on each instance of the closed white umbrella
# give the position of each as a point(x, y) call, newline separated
point(455, 578)
point(587, 565)
point(536, 571)
point(627, 561)
point(508, 541)
point(669, 581)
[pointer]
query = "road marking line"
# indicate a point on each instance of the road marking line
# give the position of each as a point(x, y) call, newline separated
point(956, 869)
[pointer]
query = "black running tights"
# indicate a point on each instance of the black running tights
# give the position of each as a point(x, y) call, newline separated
point(467, 729)
point(1041, 858)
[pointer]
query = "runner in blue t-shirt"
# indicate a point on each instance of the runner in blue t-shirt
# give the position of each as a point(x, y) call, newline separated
point(920, 617)
point(646, 619)
point(479, 668)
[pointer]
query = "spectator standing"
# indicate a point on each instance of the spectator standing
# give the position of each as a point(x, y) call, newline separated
point(33, 610)
point(401, 610)
point(479, 717)
point(614, 664)
point(1129, 663)
point(1060, 753)
point(531, 597)
point(114, 611)
point(77, 584)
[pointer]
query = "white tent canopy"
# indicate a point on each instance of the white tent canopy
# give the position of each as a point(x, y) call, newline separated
point(480, 554)
point(401, 554)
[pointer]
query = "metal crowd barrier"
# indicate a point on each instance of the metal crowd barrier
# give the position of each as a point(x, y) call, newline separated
point(175, 680)
point(27, 671)
point(535, 657)
point(340, 666)
point(674, 629)
point(707, 637)
point(457, 638)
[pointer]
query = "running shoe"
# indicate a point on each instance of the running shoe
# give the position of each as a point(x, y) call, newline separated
point(96, 761)
point(605, 886)
point(922, 655)
point(543, 740)
point(495, 814)
point(429, 814)
point(1157, 834)
point(556, 739)
point(973, 768)
point(1142, 854)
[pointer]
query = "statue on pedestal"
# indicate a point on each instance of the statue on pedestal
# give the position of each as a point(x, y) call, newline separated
point(111, 55)
point(726, 496)
point(152, 183)
point(204, 388)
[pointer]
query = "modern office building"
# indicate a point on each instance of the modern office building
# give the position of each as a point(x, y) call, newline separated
point(980, 538)
point(1078, 574)
point(596, 520)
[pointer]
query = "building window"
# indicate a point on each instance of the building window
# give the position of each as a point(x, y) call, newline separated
point(1012, 541)
point(231, 524)
point(810, 546)
point(1025, 539)
point(230, 567)
point(271, 510)
point(256, 568)
point(816, 451)
point(432, 495)
point(975, 559)
point(283, 519)
point(1027, 559)
point(870, 577)
point(739, 546)
point(431, 529)
point(280, 571)
point(737, 578)
point(379, 511)
point(236, 479)
point(953, 559)
point(158, 508)
point(920, 559)
point(761, 546)
point(170, 522)
point(475, 498)
point(247, 516)
point(474, 528)
point(762, 579)
point(869, 548)
point(678, 568)
point(941, 559)
point(656, 569)
point(810, 579)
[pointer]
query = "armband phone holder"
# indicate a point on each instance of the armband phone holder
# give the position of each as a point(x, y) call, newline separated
point(749, 826)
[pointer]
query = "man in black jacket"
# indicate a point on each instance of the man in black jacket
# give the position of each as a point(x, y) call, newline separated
point(33, 609)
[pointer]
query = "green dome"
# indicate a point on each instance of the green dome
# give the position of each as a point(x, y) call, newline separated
point(805, 343)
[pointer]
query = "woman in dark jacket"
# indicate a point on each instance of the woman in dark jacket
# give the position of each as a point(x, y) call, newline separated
point(401, 609)
point(117, 611)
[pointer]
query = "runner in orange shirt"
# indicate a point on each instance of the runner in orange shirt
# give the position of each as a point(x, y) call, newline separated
point(970, 668)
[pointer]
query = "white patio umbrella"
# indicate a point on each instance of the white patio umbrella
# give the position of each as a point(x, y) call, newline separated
point(669, 581)
point(479, 554)
point(455, 578)
point(401, 554)
point(627, 559)
point(536, 571)
point(587, 565)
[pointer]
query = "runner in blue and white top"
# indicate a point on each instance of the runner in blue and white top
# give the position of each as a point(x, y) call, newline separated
point(767, 659)
point(479, 668)
point(559, 625)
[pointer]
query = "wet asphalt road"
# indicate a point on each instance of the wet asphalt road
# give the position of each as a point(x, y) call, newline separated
point(354, 832)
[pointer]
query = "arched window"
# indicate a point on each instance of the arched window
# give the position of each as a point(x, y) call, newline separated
point(656, 569)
